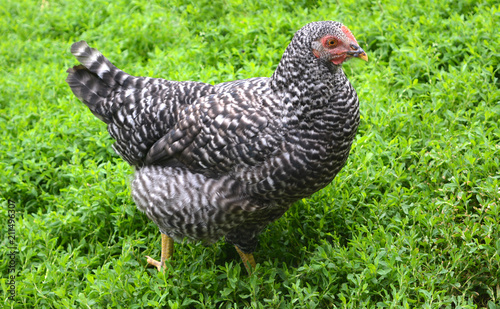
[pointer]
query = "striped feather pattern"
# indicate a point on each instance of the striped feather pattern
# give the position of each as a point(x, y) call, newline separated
point(227, 159)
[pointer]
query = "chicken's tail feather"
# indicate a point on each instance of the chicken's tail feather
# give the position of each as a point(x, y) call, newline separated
point(94, 80)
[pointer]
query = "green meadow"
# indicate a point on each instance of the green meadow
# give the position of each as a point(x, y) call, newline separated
point(412, 221)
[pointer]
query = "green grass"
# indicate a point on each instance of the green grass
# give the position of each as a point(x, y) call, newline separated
point(412, 221)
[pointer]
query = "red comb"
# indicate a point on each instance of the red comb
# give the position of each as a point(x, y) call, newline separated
point(349, 34)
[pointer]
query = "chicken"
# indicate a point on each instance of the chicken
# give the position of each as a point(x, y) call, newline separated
point(228, 159)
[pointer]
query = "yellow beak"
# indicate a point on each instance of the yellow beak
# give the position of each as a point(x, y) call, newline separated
point(357, 52)
point(363, 56)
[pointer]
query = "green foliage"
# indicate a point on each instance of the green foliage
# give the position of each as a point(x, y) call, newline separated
point(411, 221)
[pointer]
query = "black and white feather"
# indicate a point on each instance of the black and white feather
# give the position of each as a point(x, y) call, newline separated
point(226, 159)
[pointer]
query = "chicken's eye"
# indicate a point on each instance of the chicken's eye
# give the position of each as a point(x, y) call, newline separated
point(331, 43)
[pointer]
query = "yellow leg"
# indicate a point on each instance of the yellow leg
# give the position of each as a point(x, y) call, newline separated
point(247, 259)
point(167, 250)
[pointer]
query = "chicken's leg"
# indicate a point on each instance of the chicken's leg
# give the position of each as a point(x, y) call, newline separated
point(247, 259)
point(167, 250)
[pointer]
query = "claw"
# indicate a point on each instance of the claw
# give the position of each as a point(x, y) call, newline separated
point(167, 250)
point(159, 265)
point(247, 259)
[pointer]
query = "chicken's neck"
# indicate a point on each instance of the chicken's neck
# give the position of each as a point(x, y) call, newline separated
point(316, 98)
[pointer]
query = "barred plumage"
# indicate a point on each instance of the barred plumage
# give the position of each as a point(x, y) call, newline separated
point(228, 159)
